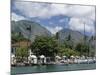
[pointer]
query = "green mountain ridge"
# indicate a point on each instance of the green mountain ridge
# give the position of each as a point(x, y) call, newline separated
point(76, 38)
point(36, 29)
point(62, 35)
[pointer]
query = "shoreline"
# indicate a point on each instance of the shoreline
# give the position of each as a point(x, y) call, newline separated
point(55, 63)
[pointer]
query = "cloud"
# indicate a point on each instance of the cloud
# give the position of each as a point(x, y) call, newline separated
point(40, 10)
point(75, 24)
point(78, 25)
point(16, 17)
point(77, 13)
point(47, 10)
point(30, 9)
point(54, 30)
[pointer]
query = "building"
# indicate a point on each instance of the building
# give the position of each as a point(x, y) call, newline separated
point(24, 43)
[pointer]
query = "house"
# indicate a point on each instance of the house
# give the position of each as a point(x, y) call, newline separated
point(24, 43)
point(42, 59)
point(13, 59)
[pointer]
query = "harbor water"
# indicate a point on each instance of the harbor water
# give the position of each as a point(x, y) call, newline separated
point(51, 68)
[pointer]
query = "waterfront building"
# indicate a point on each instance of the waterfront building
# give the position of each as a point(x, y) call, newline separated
point(57, 58)
point(24, 43)
point(42, 59)
point(13, 59)
point(32, 59)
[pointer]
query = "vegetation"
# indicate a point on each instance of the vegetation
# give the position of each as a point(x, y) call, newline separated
point(68, 52)
point(16, 37)
point(83, 49)
point(45, 45)
point(49, 46)
point(66, 42)
point(21, 54)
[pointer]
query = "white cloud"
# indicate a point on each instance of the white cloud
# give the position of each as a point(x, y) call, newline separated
point(76, 13)
point(75, 24)
point(30, 9)
point(41, 10)
point(16, 17)
point(44, 10)
point(78, 25)
point(54, 30)
point(80, 11)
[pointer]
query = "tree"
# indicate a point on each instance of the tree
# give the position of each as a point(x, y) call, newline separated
point(69, 37)
point(79, 47)
point(82, 48)
point(57, 35)
point(21, 54)
point(68, 52)
point(68, 42)
point(43, 45)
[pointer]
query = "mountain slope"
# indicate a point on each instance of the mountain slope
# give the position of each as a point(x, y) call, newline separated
point(77, 37)
point(74, 35)
point(36, 29)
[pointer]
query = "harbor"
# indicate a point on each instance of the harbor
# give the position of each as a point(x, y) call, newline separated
point(51, 68)
point(42, 60)
point(53, 39)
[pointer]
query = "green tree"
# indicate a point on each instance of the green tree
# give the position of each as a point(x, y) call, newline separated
point(68, 42)
point(57, 35)
point(83, 49)
point(68, 52)
point(45, 45)
point(69, 37)
point(21, 54)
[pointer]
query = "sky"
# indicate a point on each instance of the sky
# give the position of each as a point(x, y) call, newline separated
point(56, 17)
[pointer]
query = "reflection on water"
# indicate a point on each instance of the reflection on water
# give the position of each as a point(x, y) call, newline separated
point(51, 68)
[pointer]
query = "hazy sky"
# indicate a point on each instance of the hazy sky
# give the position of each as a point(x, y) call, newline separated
point(56, 16)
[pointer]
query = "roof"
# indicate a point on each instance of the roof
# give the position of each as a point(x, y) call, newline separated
point(12, 55)
point(58, 57)
point(21, 44)
point(72, 56)
point(42, 56)
point(64, 56)
point(33, 56)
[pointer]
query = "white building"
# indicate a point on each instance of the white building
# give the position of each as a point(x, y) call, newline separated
point(57, 58)
point(13, 59)
point(32, 59)
point(42, 59)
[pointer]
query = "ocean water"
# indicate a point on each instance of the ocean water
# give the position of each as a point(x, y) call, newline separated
point(51, 68)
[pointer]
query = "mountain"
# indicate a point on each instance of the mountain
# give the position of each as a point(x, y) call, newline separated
point(36, 29)
point(65, 35)
point(74, 35)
